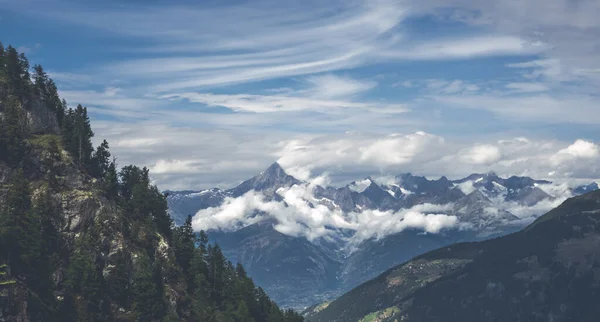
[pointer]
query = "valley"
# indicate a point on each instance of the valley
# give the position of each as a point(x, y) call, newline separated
point(299, 270)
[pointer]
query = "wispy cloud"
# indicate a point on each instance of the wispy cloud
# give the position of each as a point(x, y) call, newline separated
point(467, 48)
point(262, 80)
point(280, 103)
point(527, 87)
point(539, 108)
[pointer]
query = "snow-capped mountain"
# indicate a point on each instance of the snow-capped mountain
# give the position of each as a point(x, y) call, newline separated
point(484, 205)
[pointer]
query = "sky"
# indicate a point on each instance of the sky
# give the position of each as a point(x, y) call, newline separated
point(209, 93)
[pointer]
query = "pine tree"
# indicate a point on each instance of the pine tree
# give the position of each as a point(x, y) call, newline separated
point(77, 135)
point(12, 133)
point(4, 85)
point(110, 182)
point(130, 176)
point(159, 210)
point(100, 160)
point(84, 280)
point(17, 72)
point(118, 281)
point(20, 231)
point(83, 134)
point(46, 258)
point(185, 248)
point(148, 298)
point(41, 80)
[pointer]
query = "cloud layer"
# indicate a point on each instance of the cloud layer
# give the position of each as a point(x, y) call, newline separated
point(300, 215)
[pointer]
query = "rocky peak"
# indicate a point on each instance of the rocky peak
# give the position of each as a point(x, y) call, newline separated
point(271, 179)
point(422, 185)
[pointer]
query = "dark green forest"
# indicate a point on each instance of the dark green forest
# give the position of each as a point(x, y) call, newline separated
point(82, 240)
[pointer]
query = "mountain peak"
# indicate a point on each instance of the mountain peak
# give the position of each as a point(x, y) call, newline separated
point(274, 170)
point(275, 166)
point(272, 178)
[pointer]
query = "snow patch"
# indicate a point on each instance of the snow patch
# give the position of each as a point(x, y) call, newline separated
point(405, 191)
point(197, 194)
point(360, 186)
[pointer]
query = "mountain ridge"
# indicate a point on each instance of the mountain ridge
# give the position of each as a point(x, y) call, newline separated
point(518, 277)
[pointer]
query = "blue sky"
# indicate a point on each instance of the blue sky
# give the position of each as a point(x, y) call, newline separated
point(206, 93)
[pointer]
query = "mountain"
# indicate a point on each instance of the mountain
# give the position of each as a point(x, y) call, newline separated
point(550, 271)
point(477, 209)
point(298, 272)
point(81, 241)
point(185, 203)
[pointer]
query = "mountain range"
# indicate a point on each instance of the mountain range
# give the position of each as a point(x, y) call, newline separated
point(298, 269)
point(549, 271)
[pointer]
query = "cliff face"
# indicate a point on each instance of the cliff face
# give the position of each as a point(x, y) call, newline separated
point(82, 207)
point(40, 119)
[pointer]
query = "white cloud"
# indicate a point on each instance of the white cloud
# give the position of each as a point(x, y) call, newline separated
point(355, 150)
point(351, 156)
point(185, 157)
point(173, 166)
point(398, 149)
point(581, 149)
point(527, 87)
point(295, 217)
point(481, 154)
point(332, 86)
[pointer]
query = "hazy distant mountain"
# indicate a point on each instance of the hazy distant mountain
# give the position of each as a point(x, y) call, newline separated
point(298, 272)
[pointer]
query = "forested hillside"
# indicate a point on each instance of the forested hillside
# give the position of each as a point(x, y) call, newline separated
point(81, 240)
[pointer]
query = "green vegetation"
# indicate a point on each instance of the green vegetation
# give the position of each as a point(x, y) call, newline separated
point(380, 315)
point(77, 249)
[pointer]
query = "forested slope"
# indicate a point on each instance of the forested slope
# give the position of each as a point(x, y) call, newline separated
point(81, 240)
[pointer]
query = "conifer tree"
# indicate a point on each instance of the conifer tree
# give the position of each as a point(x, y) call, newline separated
point(148, 298)
point(184, 249)
point(85, 280)
point(41, 80)
point(20, 231)
point(4, 85)
point(12, 133)
point(119, 286)
point(110, 181)
point(100, 160)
